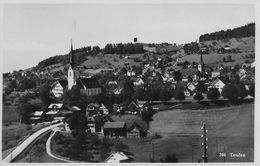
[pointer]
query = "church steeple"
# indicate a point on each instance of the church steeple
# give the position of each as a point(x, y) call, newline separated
point(201, 64)
point(71, 56)
point(71, 74)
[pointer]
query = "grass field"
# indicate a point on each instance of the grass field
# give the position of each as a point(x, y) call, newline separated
point(37, 152)
point(14, 134)
point(230, 130)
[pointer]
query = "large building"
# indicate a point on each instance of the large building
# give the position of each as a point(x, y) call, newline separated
point(87, 85)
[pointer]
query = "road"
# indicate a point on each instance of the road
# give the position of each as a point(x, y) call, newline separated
point(19, 149)
point(48, 148)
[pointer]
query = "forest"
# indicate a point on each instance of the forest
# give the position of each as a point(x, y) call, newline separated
point(243, 31)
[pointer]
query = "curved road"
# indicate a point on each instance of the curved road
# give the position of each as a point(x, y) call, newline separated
point(17, 151)
point(48, 148)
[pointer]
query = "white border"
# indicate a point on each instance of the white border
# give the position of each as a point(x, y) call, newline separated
point(257, 14)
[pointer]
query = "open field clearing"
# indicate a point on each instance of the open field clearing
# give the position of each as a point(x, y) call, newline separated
point(230, 130)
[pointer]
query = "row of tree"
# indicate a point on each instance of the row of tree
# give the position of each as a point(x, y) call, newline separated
point(120, 48)
point(244, 31)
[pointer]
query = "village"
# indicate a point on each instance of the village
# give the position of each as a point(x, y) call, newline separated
point(121, 103)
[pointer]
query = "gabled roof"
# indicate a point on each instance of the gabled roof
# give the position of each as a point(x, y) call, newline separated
point(141, 125)
point(56, 105)
point(63, 83)
point(189, 71)
point(37, 113)
point(115, 125)
point(116, 157)
point(216, 80)
point(90, 82)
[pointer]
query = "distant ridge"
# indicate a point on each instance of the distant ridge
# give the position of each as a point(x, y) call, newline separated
point(243, 31)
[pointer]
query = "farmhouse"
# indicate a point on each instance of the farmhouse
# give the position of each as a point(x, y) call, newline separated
point(36, 116)
point(138, 82)
point(116, 157)
point(58, 87)
point(115, 129)
point(137, 129)
point(217, 84)
point(59, 111)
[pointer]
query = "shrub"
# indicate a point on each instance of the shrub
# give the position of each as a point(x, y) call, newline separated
point(28, 127)
point(60, 150)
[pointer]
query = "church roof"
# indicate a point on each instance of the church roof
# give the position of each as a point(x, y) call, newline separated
point(90, 82)
point(63, 83)
point(71, 57)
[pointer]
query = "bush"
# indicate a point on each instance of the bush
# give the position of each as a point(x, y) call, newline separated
point(213, 94)
point(28, 127)
point(60, 150)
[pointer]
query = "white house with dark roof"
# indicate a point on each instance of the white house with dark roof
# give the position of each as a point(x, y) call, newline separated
point(217, 83)
point(138, 82)
point(116, 157)
point(58, 87)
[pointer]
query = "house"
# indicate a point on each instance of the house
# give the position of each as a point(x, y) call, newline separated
point(191, 86)
point(115, 129)
point(133, 108)
point(187, 93)
point(217, 83)
point(138, 82)
point(36, 116)
point(112, 83)
point(130, 73)
point(116, 157)
point(118, 91)
point(92, 109)
point(89, 86)
point(215, 73)
point(58, 87)
point(137, 129)
point(59, 111)
point(118, 108)
point(253, 65)
point(103, 110)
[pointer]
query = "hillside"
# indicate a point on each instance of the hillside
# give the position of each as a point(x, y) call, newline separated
point(240, 41)
point(243, 31)
point(245, 45)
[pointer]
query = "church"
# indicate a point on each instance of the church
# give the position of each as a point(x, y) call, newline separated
point(87, 85)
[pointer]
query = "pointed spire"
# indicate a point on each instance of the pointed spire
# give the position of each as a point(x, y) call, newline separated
point(201, 58)
point(71, 55)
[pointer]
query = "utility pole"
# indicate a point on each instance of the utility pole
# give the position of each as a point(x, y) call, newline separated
point(204, 143)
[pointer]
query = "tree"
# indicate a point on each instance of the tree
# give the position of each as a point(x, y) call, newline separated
point(213, 94)
point(224, 60)
point(27, 83)
point(198, 96)
point(12, 85)
point(179, 94)
point(165, 95)
point(170, 158)
point(177, 75)
point(230, 92)
point(251, 90)
point(242, 92)
point(201, 88)
point(104, 149)
point(77, 123)
point(77, 145)
point(230, 58)
point(120, 146)
point(128, 89)
point(25, 110)
point(45, 94)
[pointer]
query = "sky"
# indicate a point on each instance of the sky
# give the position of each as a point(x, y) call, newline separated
point(34, 32)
